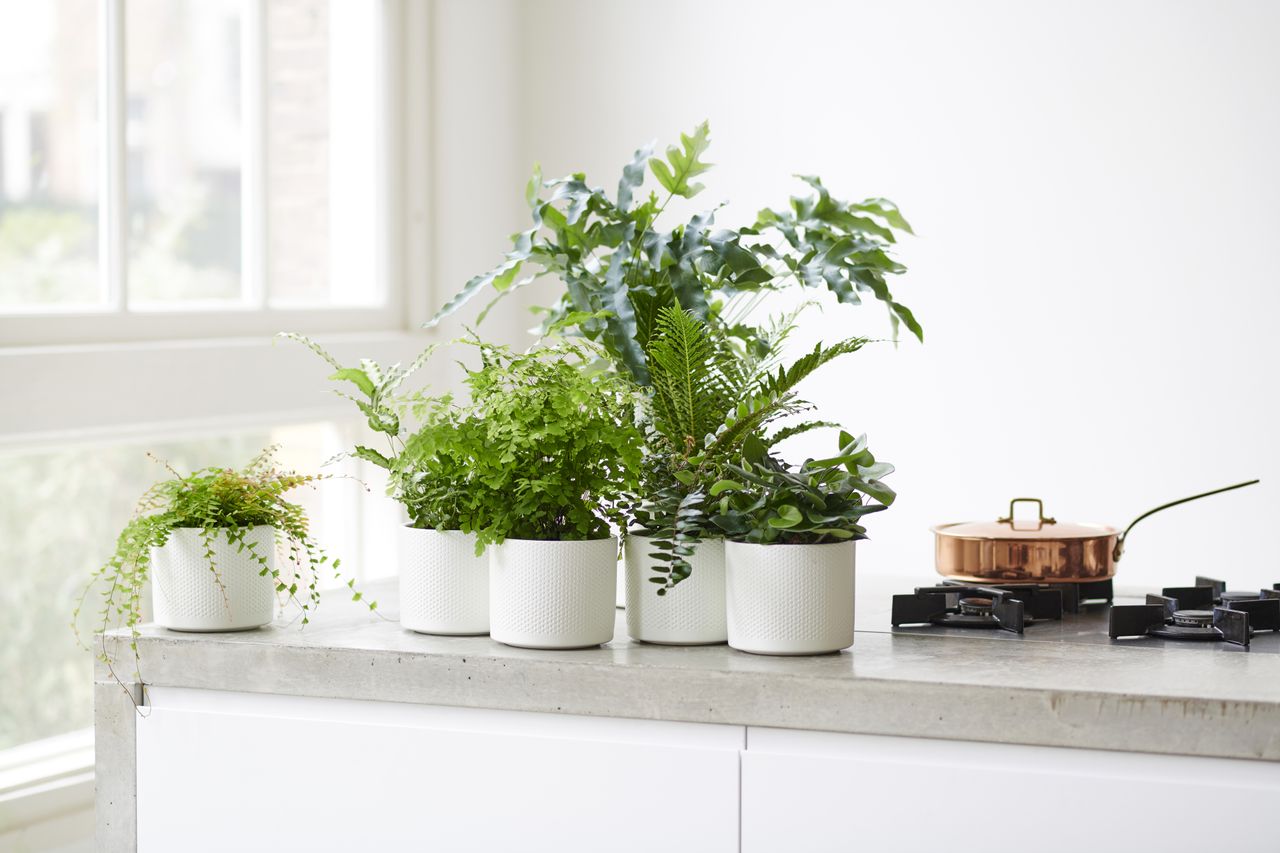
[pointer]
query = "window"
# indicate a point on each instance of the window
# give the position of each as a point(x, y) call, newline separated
point(179, 168)
point(179, 180)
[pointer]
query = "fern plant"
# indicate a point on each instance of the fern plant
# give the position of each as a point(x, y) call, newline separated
point(621, 268)
point(431, 469)
point(217, 502)
point(562, 444)
point(708, 402)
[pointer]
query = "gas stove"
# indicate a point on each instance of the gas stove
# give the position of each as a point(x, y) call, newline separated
point(1207, 611)
point(1011, 607)
point(936, 611)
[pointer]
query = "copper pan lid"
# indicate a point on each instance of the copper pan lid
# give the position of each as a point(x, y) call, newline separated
point(1063, 530)
point(1031, 529)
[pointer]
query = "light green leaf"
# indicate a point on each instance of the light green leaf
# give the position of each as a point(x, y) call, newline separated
point(356, 376)
point(726, 486)
point(886, 210)
point(788, 516)
point(685, 163)
point(370, 455)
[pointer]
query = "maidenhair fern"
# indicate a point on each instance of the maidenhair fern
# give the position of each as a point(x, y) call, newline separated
point(562, 443)
point(215, 501)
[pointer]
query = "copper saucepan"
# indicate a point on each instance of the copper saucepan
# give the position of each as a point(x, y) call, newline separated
point(1036, 551)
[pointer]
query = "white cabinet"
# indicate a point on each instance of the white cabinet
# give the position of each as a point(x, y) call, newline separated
point(805, 792)
point(233, 771)
point(228, 771)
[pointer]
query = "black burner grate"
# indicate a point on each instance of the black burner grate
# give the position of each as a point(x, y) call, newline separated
point(1010, 607)
point(1207, 611)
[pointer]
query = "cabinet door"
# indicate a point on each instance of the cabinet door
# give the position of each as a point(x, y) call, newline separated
point(227, 771)
point(810, 791)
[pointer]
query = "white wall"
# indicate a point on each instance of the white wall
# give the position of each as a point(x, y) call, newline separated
point(1094, 189)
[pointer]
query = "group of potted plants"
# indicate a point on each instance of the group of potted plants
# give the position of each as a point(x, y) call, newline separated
point(649, 410)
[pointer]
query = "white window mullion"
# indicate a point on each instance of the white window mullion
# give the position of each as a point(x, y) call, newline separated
point(412, 66)
point(356, 57)
point(113, 203)
point(389, 143)
point(253, 169)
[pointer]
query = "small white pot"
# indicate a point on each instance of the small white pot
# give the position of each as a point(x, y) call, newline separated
point(551, 594)
point(444, 586)
point(789, 599)
point(692, 612)
point(186, 594)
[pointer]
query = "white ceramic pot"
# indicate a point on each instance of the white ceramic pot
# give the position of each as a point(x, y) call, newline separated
point(186, 594)
point(551, 594)
point(692, 612)
point(444, 586)
point(789, 599)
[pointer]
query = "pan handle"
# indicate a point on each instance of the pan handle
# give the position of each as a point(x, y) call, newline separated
point(1119, 549)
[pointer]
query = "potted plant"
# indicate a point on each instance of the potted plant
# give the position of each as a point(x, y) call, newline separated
point(562, 461)
point(707, 399)
point(444, 581)
point(209, 543)
point(790, 554)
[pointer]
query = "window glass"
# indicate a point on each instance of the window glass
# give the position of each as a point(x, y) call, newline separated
point(48, 154)
point(184, 149)
point(321, 160)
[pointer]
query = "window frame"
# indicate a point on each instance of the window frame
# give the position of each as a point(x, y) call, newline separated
point(115, 320)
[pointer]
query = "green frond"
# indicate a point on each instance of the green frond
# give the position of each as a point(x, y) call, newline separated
point(313, 346)
point(798, 429)
point(775, 398)
point(690, 392)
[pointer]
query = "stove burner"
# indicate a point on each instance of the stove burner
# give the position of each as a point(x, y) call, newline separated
point(1074, 595)
point(1206, 611)
point(975, 606)
point(1193, 618)
point(1011, 607)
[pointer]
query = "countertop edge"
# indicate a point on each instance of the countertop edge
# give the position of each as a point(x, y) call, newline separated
point(1034, 716)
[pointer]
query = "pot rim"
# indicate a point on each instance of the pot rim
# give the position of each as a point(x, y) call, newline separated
point(791, 544)
point(558, 541)
point(409, 525)
point(1044, 534)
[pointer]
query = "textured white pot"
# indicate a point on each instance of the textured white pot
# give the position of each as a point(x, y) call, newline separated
point(552, 595)
point(186, 595)
point(444, 586)
point(692, 612)
point(789, 599)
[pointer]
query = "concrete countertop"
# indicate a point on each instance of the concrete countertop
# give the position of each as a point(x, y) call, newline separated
point(1099, 695)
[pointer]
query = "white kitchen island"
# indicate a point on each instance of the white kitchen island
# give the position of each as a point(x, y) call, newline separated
point(354, 734)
